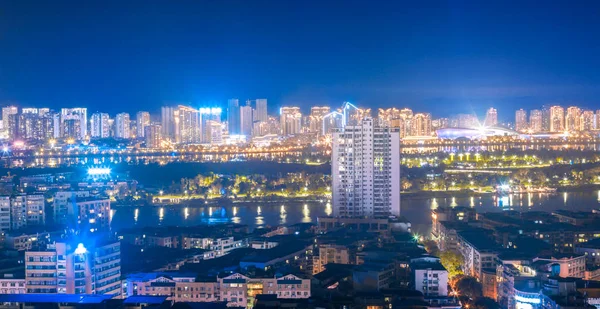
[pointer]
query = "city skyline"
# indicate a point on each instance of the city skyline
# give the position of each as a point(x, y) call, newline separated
point(433, 56)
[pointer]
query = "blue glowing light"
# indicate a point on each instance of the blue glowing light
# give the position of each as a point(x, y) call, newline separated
point(80, 249)
point(98, 171)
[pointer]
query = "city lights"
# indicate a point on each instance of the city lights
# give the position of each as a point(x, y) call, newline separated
point(98, 171)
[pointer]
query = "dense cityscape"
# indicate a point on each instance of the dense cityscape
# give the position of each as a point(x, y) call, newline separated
point(308, 155)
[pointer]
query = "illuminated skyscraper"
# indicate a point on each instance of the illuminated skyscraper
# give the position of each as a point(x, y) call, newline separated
point(167, 122)
point(365, 169)
point(74, 122)
point(586, 121)
point(152, 135)
point(99, 125)
point(572, 119)
point(122, 126)
point(332, 121)
point(246, 121)
point(386, 116)
point(260, 113)
point(187, 125)
point(421, 124)
point(317, 114)
point(208, 116)
point(215, 131)
point(290, 119)
point(233, 116)
point(557, 119)
point(521, 120)
point(142, 121)
point(535, 121)
point(6, 112)
point(491, 117)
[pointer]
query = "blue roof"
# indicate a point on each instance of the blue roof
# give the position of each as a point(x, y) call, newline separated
point(145, 300)
point(54, 298)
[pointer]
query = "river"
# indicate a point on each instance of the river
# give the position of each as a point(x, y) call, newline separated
point(415, 209)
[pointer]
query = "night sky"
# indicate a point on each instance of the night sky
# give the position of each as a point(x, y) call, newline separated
point(444, 57)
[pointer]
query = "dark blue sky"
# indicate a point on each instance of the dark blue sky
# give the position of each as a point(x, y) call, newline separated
point(443, 57)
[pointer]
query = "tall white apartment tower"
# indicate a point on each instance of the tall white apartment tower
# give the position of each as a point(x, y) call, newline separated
point(366, 170)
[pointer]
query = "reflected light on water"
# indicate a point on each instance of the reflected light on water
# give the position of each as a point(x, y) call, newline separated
point(161, 214)
point(329, 210)
point(529, 200)
point(453, 203)
point(434, 203)
point(472, 202)
point(136, 213)
point(306, 214)
point(210, 211)
point(186, 213)
point(565, 196)
point(258, 211)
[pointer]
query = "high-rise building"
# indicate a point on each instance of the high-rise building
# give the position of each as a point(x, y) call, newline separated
point(233, 116)
point(290, 119)
point(597, 120)
point(536, 121)
point(62, 204)
point(260, 113)
point(491, 117)
point(317, 114)
point(188, 127)
point(246, 121)
point(74, 122)
point(572, 119)
point(167, 122)
point(331, 122)
point(27, 210)
point(215, 132)
point(208, 117)
point(122, 126)
point(365, 170)
point(546, 118)
point(142, 121)
point(557, 119)
point(353, 115)
point(73, 267)
point(586, 122)
point(386, 116)
point(6, 112)
point(99, 127)
point(152, 134)
point(421, 124)
point(521, 120)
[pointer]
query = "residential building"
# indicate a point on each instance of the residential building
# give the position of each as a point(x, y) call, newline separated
point(429, 277)
point(99, 125)
point(536, 121)
point(366, 171)
point(122, 126)
point(521, 120)
point(74, 122)
point(188, 127)
point(240, 291)
point(177, 287)
point(63, 201)
point(153, 136)
point(316, 118)
point(557, 119)
point(142, 121)
point(290, 119)
point(167, 123)
point(5, 214)
point(421, 124)
point(90, 213)
point(72, 267)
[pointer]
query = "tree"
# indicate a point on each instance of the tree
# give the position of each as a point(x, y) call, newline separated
point(452, 261)
point(431, 247)
point(469, 286)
